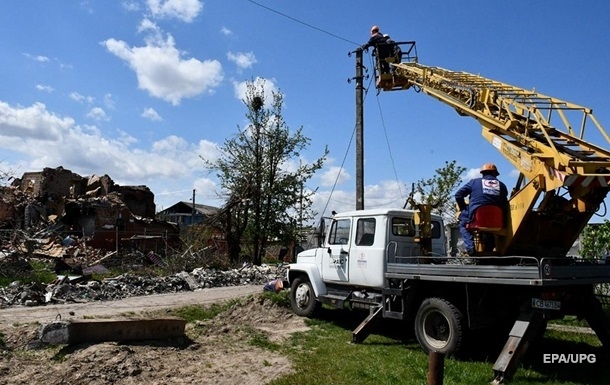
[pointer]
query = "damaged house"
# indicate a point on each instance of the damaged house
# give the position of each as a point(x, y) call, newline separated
point(60, 203)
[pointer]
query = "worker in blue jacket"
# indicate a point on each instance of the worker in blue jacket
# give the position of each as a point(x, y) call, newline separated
point(486, 190)
point(382, 48)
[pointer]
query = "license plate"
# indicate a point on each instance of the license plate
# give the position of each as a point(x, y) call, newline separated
point(545, 304)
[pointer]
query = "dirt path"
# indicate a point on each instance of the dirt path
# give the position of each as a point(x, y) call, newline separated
point(218, 351)
point(51, 312)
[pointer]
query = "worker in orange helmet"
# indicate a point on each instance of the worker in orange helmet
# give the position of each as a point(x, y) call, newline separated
point(486, 190)
point(382, 48)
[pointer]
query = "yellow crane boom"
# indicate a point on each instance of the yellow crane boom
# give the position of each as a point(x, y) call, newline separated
point(563, 177)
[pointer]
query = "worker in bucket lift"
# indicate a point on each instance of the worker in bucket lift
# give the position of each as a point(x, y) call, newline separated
point(382, 50)
point(486, 190)
point(394, 48)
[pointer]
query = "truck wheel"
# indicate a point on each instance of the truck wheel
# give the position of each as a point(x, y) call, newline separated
point(439, 326)
point(302, 297)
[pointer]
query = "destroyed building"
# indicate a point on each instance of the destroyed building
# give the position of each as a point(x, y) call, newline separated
point(59, 203)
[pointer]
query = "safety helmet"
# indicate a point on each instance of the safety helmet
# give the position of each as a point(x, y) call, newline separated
point(489, 168)
point(375, 29)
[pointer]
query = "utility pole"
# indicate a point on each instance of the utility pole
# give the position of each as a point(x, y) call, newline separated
point(193, 210)
point(359, 132)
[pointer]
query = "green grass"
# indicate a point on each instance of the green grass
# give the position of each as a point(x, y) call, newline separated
point(41, 272)
point(201, 313)
point(324, 355)
point(281, 299)
point(261, 340)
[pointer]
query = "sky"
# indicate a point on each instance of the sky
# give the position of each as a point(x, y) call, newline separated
point(145, 90)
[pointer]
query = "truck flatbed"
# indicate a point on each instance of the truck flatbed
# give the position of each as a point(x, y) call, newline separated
point(503, 270)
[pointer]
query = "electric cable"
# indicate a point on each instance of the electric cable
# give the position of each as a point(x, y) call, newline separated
point(302, 22)
point(385, 132)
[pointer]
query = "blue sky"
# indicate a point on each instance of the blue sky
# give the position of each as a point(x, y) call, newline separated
point(141, 90)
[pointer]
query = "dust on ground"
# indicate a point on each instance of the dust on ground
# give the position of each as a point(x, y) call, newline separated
point(217, 351)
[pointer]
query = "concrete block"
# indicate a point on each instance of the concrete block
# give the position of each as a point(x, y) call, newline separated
point(92, 331)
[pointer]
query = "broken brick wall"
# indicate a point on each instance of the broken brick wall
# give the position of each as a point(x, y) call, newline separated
point(7, 211)
point(55, 182)
point(99, 186)
point(139, 199)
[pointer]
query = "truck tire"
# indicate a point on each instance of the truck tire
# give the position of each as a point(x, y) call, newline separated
point(439, 326)
point(303, 298)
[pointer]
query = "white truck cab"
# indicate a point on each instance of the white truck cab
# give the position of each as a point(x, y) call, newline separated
point(356, 249)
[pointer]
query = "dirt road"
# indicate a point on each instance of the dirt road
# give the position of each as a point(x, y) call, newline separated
point(51, 312)
point(217, 351)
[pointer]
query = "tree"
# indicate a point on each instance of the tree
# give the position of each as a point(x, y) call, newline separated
point(595, 244)
point(262, 173)
point(6, 175)
point(438, 190)
point(595, 240)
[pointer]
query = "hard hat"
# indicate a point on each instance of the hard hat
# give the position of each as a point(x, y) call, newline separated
point(490, 168)
point(375, 29)
point(386, 36)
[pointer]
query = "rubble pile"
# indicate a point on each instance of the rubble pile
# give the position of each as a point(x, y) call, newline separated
point(80, 289)
point(38, 211)
point(88, 225)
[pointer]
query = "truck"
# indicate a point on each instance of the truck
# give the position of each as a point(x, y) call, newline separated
point(394, 262)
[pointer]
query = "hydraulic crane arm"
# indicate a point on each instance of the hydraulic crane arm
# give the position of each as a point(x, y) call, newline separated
point(533, 131)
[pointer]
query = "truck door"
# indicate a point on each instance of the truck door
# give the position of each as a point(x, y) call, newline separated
point(335, 261)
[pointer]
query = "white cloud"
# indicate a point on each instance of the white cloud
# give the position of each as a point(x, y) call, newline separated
point(185, 10)
point(163, 72)
point(151, 114)
point(131, 5)
point(269, 87)
point(23, 123)
point(97, 113)
point(108, 101)
point(44, 137)
point(81, 98)
point(226, 31)
point(334, 174)
point(42, 87)
point(38, 58)
point(85, 5)
point(242, 59)
point(472, 173)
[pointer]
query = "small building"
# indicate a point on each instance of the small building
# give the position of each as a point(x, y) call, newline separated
point(187, 214)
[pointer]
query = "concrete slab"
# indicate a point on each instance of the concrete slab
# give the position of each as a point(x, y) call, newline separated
point(83, 331)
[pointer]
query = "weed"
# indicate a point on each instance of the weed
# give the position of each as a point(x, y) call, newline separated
point(281, 299)
point(194, 313)
point(261, 340)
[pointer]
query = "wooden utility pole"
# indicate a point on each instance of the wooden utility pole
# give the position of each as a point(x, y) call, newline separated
point(359, 132)
point(193, 210)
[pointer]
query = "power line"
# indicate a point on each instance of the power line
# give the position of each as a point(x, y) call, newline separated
point(385, 131)
point(302, 22)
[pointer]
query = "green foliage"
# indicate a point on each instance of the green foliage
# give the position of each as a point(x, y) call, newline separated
point(281, 299)
point(263, 175)
point(200, 313)
point(38, 271)
point(595, 240)
point(438, 190)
